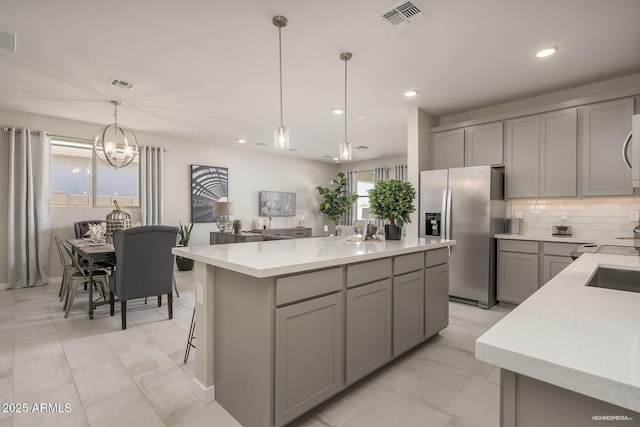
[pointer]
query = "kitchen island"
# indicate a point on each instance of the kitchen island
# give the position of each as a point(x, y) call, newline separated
point(570, 353)
point(283, 325)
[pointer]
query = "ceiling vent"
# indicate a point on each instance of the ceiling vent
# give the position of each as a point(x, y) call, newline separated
point(7, 41)
point(122, 84)
point(404, 14)
point(362, 147)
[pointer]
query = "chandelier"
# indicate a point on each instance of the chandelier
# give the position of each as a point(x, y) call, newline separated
point(115, 145)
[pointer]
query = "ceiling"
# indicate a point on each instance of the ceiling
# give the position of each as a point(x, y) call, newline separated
point(207, 70)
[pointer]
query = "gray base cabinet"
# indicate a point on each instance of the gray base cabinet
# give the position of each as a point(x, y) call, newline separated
point(527, 402)
point(408, 311)
point(308, 355)
point(436, 299)
point(525, 266)
point(368, 329)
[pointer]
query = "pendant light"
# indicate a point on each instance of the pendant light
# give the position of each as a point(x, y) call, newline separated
point(345, 147)
point(281, 134)
point(115, 145)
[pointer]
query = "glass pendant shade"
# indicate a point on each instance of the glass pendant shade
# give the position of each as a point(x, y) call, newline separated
point(345, 151)
point(281, 136)
point(115, 145)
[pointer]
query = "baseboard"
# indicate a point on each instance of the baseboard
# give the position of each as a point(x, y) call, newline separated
point(4, 286)
point(205, 394)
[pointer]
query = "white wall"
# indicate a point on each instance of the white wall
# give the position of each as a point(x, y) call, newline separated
point(249, 173)
point(595, 89)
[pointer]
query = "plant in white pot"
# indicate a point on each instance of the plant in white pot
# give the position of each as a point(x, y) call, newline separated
point(338, 200)
point(392, 200)
point(184, 235)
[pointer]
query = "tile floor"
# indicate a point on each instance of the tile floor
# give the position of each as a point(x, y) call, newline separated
point(91, 373)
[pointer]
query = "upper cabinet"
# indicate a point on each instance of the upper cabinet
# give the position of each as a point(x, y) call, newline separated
point(447, 149)
point(542, 155)
point(605, 125)
point(483, 144)
point(471, 146)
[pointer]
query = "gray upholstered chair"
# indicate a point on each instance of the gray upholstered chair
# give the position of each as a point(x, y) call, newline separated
point(144, 265)
point(81, 227)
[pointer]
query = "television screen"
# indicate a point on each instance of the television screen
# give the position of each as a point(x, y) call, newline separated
point(277, 203)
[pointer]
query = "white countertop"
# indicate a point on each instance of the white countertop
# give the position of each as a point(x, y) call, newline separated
point(278, 257)
point(546, 238)
point(581, 338)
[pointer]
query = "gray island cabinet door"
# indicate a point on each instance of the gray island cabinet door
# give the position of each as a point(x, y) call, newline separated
point(309, 354)
point(368, 314)
point(436, 299)
point(408, 311)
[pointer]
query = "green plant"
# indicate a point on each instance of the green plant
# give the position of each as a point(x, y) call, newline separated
point(184, 234)
point(237, 221)
point(337, 201)
point(392, 200)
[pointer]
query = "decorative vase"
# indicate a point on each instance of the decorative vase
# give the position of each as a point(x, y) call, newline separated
point(237, 227)
point(392, 232)
point(184, 264)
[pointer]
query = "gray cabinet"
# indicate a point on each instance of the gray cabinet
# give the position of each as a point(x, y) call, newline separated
point(293, 232)
point(447, 149)
point(408, 311)
point(541, 155)
point(308, 355)
point(218, 238)
point(368, 329)
point(605, 125)
point(558, 153)
point(484, 144)
point(436, 299)
point(556, 256)
point(517, 270)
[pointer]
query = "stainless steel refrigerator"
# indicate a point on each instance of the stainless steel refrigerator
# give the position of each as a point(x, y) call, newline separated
point(466, 205)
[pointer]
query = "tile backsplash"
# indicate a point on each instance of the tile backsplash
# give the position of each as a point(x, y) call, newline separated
point(601, 218)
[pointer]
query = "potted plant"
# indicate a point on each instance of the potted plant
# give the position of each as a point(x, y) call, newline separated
point(237, 226)
point(392, 200)
point(184, 235)
point(338, 200)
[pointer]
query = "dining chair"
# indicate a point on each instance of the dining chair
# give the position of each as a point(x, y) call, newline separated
point(79, 276)
point(144, 266)
point(81, 227)
point(67, 267)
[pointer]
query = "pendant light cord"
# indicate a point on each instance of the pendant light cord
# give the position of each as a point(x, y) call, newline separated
point(280, 56)
point(345, 100)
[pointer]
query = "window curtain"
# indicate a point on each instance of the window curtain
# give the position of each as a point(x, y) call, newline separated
point(352, 187)
point(400, 172)
point(29, 208)
point(151, 185)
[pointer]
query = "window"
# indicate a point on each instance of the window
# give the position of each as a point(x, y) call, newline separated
point(364, 184)
point(77, 179)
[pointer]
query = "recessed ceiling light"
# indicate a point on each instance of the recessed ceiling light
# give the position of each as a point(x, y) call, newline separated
point(547, 52)
point(410, 93)
point(260, 144)
point(338, 111)
point(241, 141)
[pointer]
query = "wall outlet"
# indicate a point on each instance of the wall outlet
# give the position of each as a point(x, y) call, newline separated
point(518, 214)
point(199, 293)
point(634, 216)
point(564, 216)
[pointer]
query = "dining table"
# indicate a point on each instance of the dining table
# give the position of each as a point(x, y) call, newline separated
point(96, 253)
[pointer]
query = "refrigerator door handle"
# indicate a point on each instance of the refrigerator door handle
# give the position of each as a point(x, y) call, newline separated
point(448, 224)
point(444, 219)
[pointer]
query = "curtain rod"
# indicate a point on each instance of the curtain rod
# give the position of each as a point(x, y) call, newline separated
point(66, 138)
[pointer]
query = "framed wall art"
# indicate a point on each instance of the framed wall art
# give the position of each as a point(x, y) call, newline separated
point(209, 184)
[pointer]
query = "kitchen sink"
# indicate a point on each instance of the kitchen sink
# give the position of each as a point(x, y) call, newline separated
point(616, 278)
